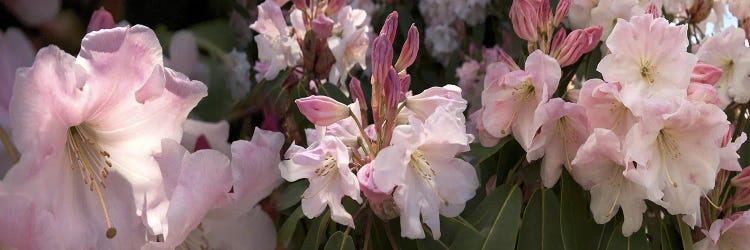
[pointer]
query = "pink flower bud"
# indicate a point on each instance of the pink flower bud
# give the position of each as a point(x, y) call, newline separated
point(745, 25)
point(405, 83)
point(392, 91)
point(573, 47)
point(558, 39)
point(742, 180)
point(653, 10)
point(334, 6)
point(706, 74)
point(525, 19)
point(409, 51)
point(381, 202)
point(355, 91)
point(382, 59)
point(322, 110)
point(300, 4)
point(595, 33)
point(322, 26)
point(703, 93)
point(741, 197)
point(390, 27)
point(561, 11)
point(544, 13)
point(101, 19)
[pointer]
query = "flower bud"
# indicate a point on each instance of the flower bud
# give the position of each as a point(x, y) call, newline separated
point(405, 83)
point(382, 59)
point(409, 50)
point(334, 6)
point(573, 47)
point(700, 10)
point(653, 10)
point(381, 202)
point(322, 110)
point(300, 5)
point(544, 13)
point(101, 19)
point(322, 26)
point(595, 33)
point(561, 11)
point(703, 93)
point(390, 27)
point(742, 180)
point(392, 90)
point(705, 74)
point(355, 91)
point(525, 19)
point(557, 40)
point(745, 25)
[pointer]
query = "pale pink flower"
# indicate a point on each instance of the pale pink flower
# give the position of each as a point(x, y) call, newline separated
point(424, 104)
point(604, 108)
point(16, 51)
point(349, 44)
point(34, 12)
point(277, 47)
point(441, 41)
point(509, 100)
point(727, 233)
point(325, 164)
point(183, 52)
point(648, 59)
point(599, 167)
point(421, 170)
point(703, 93)
point(579, 13)
point(729, 148)
point(199, 135)
point(194, 184)
point(468, 74)
point(112, 105)
point(563, 129)
point(607, 12)
point(675, 152)
point(727, 51)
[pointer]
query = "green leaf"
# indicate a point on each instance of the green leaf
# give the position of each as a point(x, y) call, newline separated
point(291, 194)
point(616, 241)
point(541, 222)
point(316, 232)
point(478, 153)
point(338, 241)
point(578, 227)
point(334, 92)
point(290, 225)
point(497, 218)
point(685, 233)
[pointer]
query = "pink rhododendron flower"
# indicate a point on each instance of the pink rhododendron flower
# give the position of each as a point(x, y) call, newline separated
point(35, 12)
point(728, 233)
point(662, 154)
point(195, 183)
point(97, 120)
point(727, 51)
point(647, 57)
point(424, 104)
point(421, 170)
point(604, 108)
point(199, 135)
point(16, 51)
point(350, 47)
point(563, 129)
point(599, 167)
point(325, 164)
point(510, 100)
point(277, 48)
point(607, 12)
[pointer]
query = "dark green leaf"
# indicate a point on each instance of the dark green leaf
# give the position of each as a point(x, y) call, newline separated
point(334, 92)
point(316, 232)
point(290, 194)
point(479, 153)
point(616, 241)
point(577, 226)
point(540, 228)
point(337, 241)
point(497, 218)
point(685, 233)
point(290, 225)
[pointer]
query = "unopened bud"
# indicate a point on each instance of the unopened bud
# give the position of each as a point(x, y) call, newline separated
point(561, 11)
point(334, 6)
point(595, 33)
point(409, 50)
point(322, 110)
point(390, 27)
point(392, 90)
point(742, 180)
point(405, 84)
point(706, 74)
point(101, 19)
point(544, 13)
point(572, 48)
point(356, 93)
point(525, 19)
point(557, 40)
point(700, 10)
point(300, 5)
point(322, 26)
point(382, 59)
point(653, 11)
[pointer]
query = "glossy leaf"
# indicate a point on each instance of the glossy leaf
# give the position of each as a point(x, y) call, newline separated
point(339, 241)
point(579, 230)
point(540, 228)
point(316, 232)
point(290, 225)
point(498, 218)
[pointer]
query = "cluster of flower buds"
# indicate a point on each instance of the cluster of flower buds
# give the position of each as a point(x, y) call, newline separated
point(404, 163)
point(534, 22)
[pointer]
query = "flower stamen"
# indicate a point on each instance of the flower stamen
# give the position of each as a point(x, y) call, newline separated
point(667, 145)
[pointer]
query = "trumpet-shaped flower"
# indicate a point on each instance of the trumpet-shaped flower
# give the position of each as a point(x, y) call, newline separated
point(604, 108)
point(728, 233)
point(727, 51)
point(421, 170)
point(350, 47)
point(510, 100)
point(563, 129)
point(87, 128)
point(277, 47)
point(325, 164)
point(599, 167)
point(661, 152)
point(647, 57)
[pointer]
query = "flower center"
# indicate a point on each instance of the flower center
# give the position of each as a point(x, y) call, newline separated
point(648, 71)
point(195, 240)
point(328, 165)
point(523, 91)
point(668, 147)
point(420, 163)
point(93, 163)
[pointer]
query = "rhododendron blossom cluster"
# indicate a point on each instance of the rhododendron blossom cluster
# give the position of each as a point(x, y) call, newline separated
point(277, 124)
